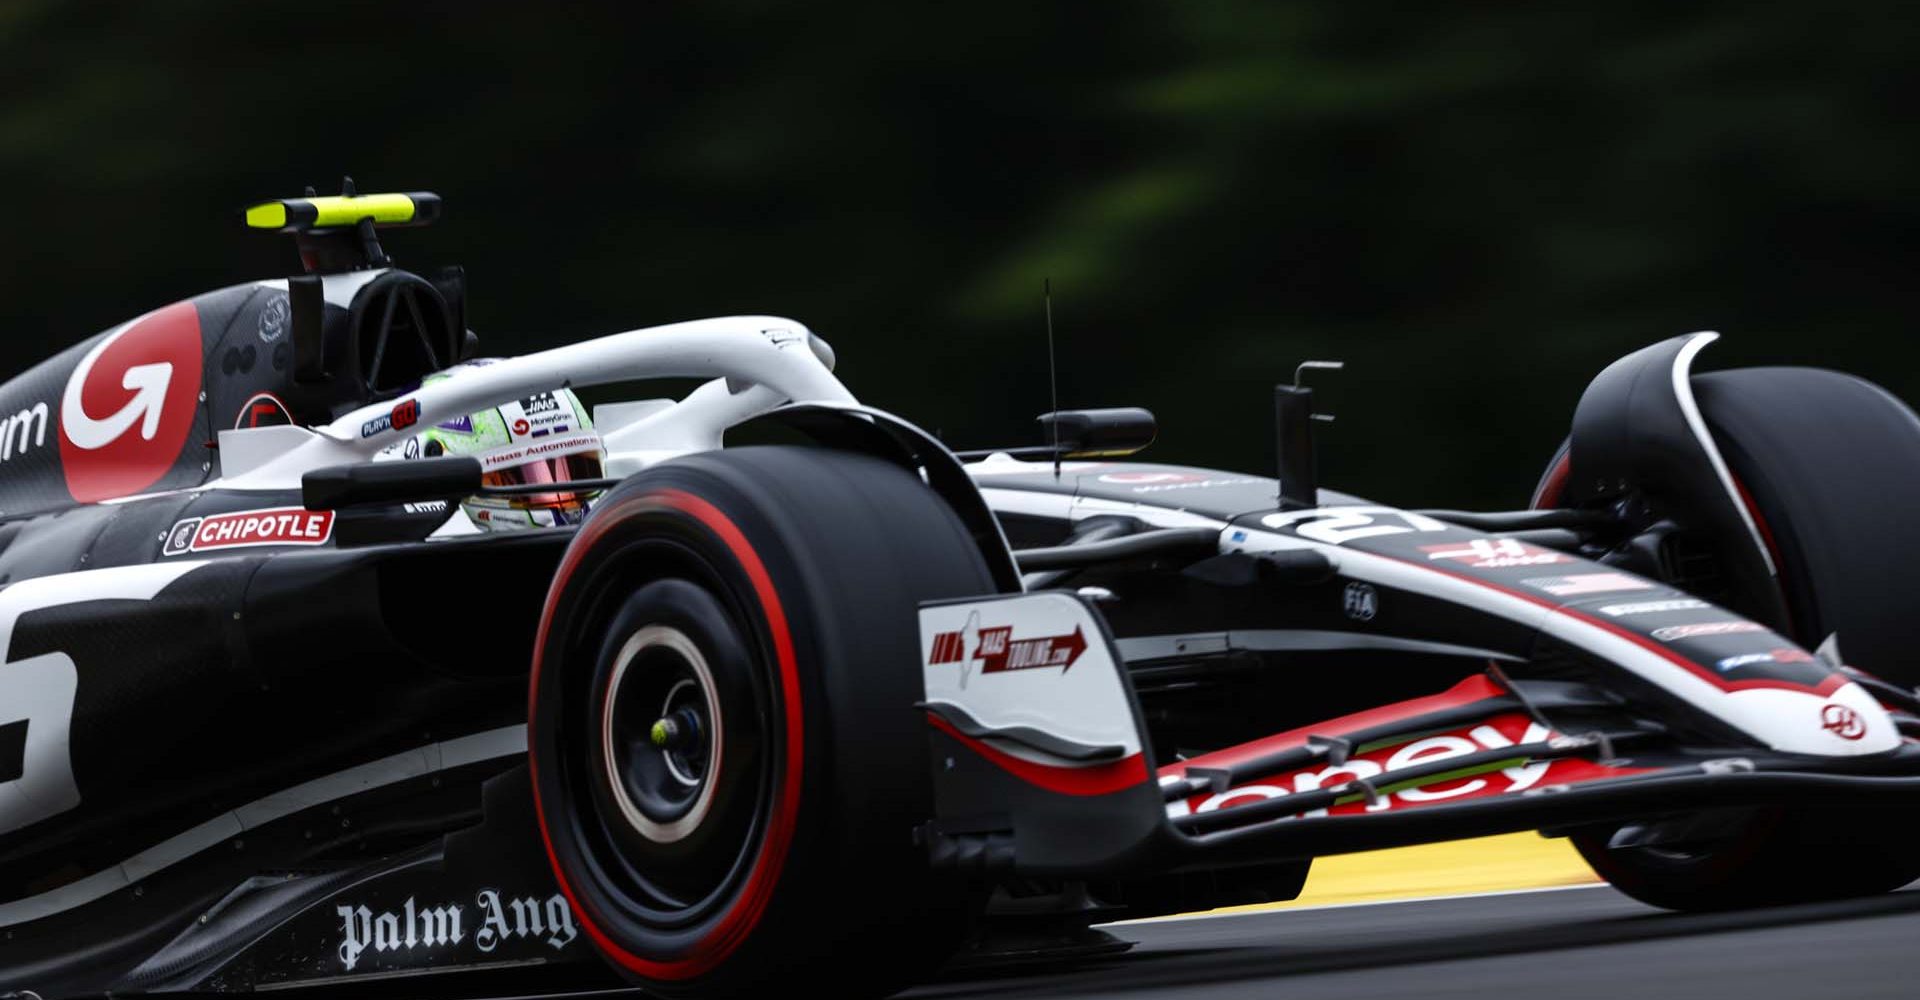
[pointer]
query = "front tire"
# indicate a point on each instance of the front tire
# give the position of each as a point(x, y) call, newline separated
point(727, 763)
point(1828, 466)
point(1768, 857)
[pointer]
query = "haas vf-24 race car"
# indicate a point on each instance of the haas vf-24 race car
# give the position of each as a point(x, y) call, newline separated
point(335, 652)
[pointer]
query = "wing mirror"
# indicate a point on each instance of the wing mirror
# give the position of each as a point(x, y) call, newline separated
point(1105, 433)
point(390, 482)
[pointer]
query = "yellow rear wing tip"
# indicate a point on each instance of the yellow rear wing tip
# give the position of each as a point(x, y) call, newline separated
point(311, 214)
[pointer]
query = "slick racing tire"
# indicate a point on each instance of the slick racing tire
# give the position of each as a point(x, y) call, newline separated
point(1828, 465)
point(1766, 857)
point(728, 765)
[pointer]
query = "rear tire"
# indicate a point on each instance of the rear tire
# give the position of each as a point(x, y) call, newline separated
point(1828, 465)
point(763, 601)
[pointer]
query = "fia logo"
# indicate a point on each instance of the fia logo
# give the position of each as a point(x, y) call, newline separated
point(1361, 602)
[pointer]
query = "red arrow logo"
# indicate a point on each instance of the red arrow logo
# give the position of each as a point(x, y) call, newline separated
point(996, 650)
point(999, 650)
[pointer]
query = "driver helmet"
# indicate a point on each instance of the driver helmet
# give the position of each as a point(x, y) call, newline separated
point(547, 437)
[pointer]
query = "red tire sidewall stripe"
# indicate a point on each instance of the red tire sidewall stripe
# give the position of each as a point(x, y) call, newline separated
point(1548, 494)
point(1469, 690)
point(750, 905)
point(1773, 549)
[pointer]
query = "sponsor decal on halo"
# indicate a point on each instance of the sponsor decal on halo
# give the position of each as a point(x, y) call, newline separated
point(274, 526)
point(1652, 607)
point(495, 922)
point(1586, 583)
point(1672, 632)
point(1494, 553)
point(995, 649)
point(405, 414)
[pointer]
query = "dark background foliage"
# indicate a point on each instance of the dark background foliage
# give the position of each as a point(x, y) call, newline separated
point(1477, 207)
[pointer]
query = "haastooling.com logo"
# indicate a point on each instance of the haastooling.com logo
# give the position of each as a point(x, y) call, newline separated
point(996, 650)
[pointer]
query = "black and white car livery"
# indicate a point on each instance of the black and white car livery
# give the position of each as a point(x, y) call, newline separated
point(273, 713)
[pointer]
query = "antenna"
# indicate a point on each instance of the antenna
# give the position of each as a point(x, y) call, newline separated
point(1053, 373)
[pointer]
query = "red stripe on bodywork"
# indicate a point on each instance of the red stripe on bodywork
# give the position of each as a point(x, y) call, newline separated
point(1473, 689)
point(1098, 779)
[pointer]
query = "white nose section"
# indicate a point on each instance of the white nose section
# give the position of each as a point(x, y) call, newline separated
point(1848, 723)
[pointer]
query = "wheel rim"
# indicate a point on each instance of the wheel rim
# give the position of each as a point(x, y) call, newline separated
point(668, 911)
point(675, 823)
point(661, 733)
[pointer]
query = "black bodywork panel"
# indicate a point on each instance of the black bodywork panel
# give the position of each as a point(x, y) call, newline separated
point(1632, 434)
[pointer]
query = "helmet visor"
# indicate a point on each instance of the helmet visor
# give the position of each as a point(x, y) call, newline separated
point(566, 468)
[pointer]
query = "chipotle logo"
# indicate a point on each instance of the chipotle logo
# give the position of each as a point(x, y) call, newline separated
point(278, 526)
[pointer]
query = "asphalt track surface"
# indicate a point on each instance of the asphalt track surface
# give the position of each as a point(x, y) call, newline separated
point(1559, 944)
point(1562, 944)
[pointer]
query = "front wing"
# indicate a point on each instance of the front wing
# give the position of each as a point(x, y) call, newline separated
point(1043, 765)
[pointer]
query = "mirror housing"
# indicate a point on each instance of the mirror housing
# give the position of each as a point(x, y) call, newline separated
point(1106, 433)
point(339, 486)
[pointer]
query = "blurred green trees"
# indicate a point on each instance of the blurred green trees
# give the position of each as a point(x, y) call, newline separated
point(1477, 208)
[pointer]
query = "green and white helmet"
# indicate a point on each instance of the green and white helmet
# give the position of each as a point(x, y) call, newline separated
point(547, 437)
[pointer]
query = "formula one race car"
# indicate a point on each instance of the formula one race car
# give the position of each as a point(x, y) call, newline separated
point(334, 652)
